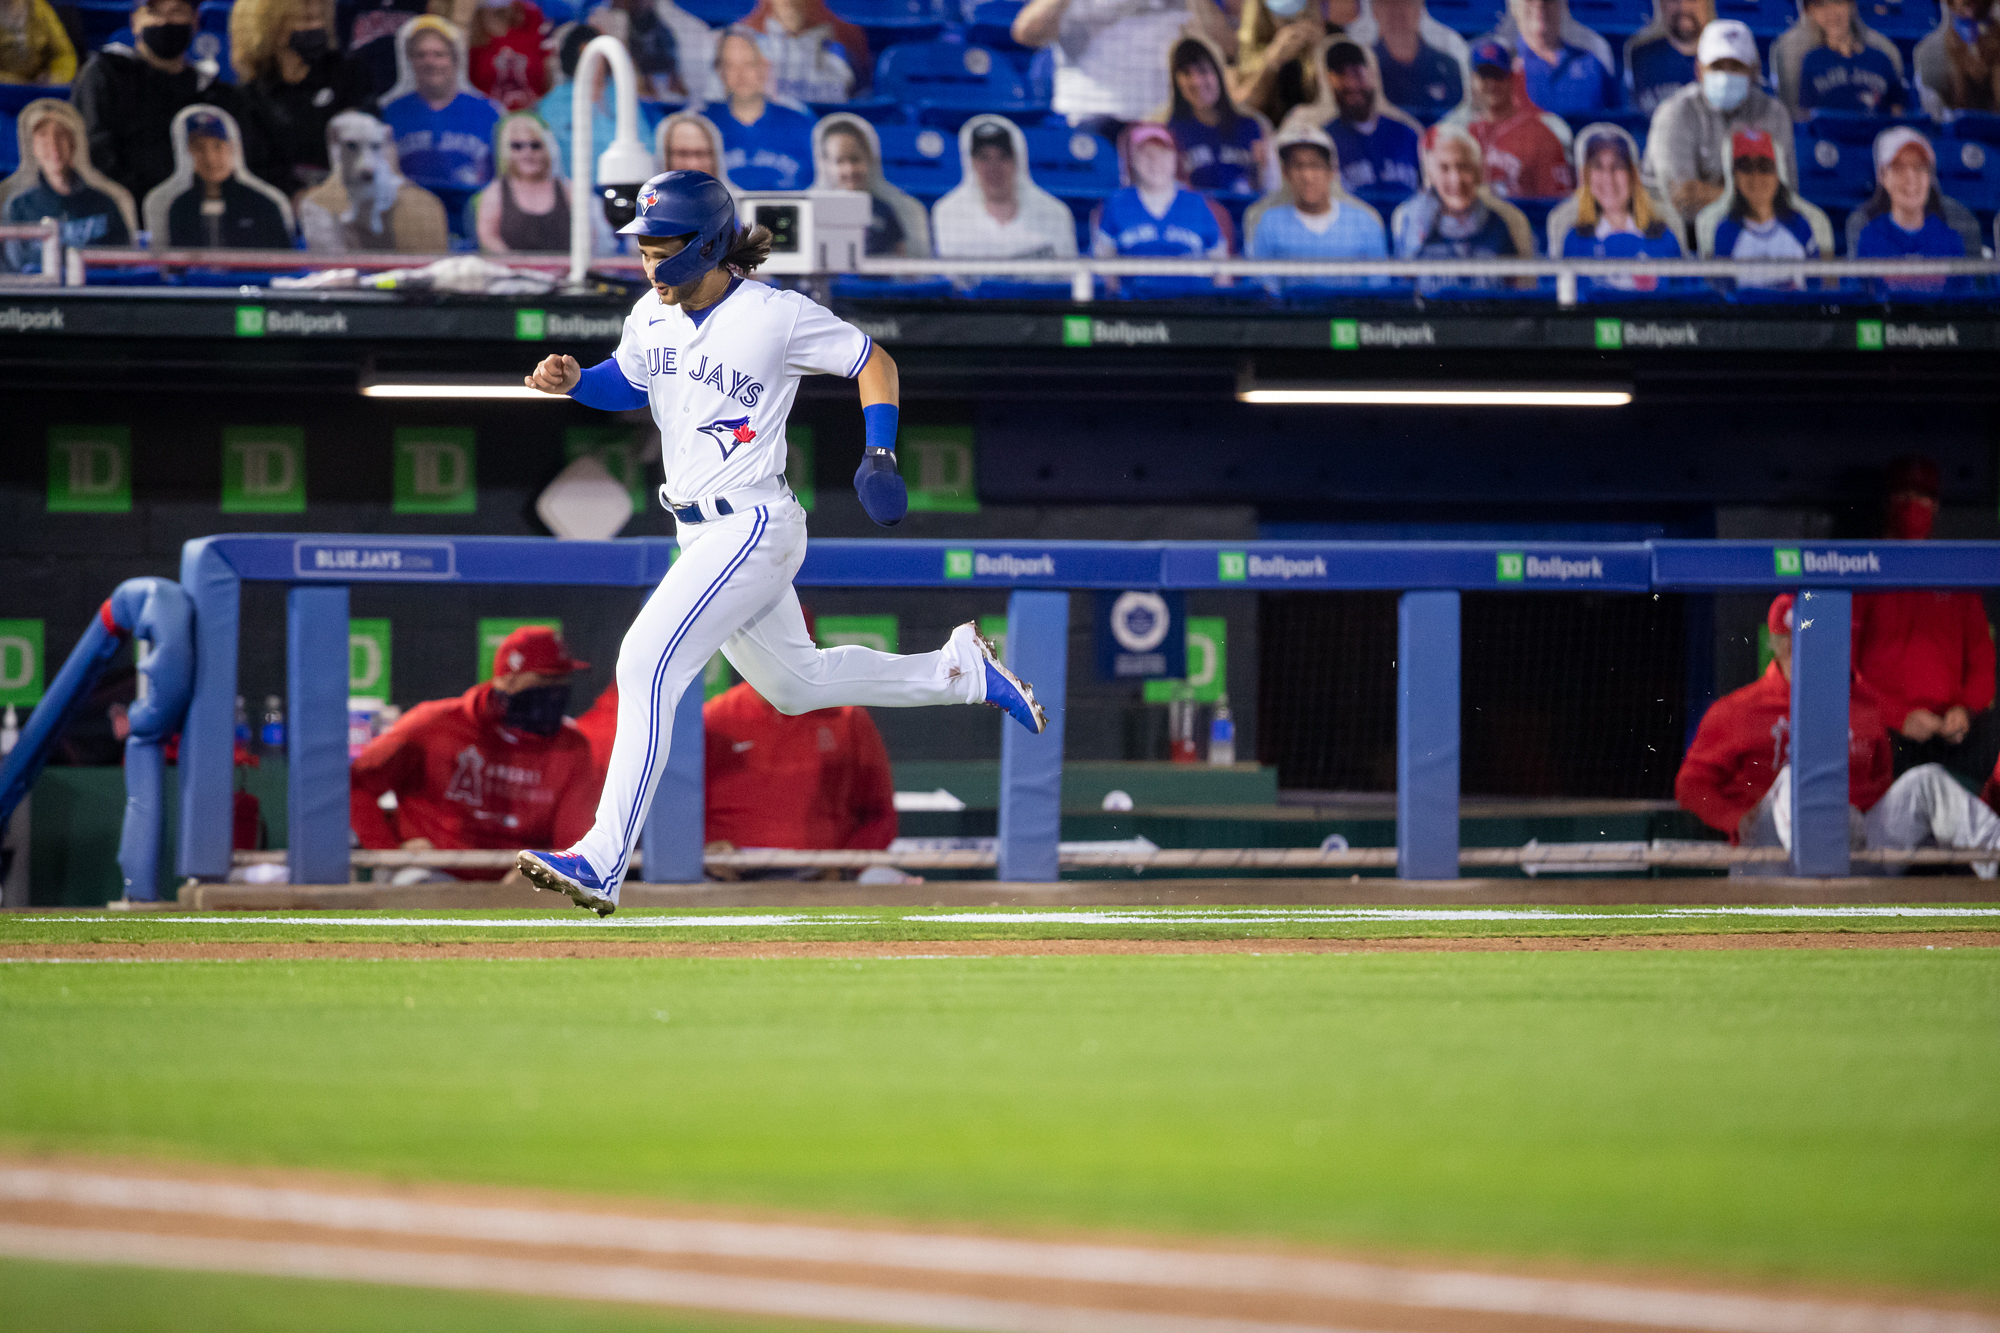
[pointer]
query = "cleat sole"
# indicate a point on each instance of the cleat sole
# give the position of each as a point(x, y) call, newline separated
point(542, 877)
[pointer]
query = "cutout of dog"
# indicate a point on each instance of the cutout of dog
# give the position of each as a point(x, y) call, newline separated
point(366, 203)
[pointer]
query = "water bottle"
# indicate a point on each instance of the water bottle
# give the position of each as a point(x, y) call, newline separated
point(10, 732)
point(242, 724)
point(1222, 734)
point(272, 736)
point(1181, 710)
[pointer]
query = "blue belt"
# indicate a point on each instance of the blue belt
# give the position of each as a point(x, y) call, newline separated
point(692, 513)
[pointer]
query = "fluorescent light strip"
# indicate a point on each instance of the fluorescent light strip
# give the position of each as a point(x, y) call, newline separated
point(455, 391)
point(1379, 397)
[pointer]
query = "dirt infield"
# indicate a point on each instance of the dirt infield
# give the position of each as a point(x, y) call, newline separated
point(290, 950)
point(303, 1224)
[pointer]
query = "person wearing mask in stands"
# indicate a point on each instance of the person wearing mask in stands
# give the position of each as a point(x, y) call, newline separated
point(494, 767)
point(815, 55)
point(505, 55)
point(1758, 216)
point(1526, 148)
point(1611, 217)
point(1928, 653)
point(219, 208)
point(443, 127)
point(527, 205)
point(293, 81)
point(1687, 149)
point(1377, 146)
point(1224, 149)
point(1831, 61)
point(1659, 58)
point(848, 156)
point(1457, 216)
point(1562, 76)
point(1152, 217)
point(1736, 776)
point(767, 141)
point(1908, 217)
point(1418, 76)
point(129, 95)
point(55, 180)
point(997, 211)
point(1111, 55)
point(33, 46)
point(1276, 45)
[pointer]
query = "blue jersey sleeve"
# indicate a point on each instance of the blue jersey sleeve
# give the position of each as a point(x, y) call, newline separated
point(605, 387)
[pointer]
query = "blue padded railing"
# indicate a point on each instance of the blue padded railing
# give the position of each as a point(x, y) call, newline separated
point(1431, 576)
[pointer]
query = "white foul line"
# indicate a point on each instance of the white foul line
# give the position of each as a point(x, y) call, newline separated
point(1711, 1312)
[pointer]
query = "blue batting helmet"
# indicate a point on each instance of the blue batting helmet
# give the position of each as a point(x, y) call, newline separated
point(692, 204)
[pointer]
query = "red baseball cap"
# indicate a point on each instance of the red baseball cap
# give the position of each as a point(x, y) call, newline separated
point(535, 648)
point(1779, 621)
point(1752, 143)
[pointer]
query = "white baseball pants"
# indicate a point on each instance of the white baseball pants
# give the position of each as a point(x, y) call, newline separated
point(731, 590)
point(1926, 807)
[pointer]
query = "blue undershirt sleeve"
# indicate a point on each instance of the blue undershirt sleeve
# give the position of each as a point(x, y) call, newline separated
point(605, 387)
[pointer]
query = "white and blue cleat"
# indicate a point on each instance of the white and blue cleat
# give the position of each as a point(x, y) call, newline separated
point(1004, 690)
point(564, 872)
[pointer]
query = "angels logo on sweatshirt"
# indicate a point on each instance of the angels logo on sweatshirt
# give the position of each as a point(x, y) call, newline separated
point(468, 780)
point(729, 433)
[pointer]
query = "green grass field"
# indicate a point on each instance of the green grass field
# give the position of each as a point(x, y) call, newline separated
point(1829, 1115)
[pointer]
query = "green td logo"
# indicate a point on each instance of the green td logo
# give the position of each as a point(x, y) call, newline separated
point(1785, 561)
point(1231, 566)
point(249, 321)
point(530, 325)
point(1868, 335)
point(1345, 334)
point(1510, 568)
point(1610, 335)
point(958, 564)
point(1076, 330)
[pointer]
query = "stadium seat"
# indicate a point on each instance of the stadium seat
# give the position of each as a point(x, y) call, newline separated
point(992, 25)
point(1014, 289)
point(920, 159)
point(854, 287)
point(1835, 174)
point(1900, 20)
point(10, 142)
point(719, 13)
point(1612, 18)
point(1981, 125)
point(945, 82)
point(1536, 211)
point(875, 110)
point(1968, 170)
point(893, 22)
point(103, 19)
point(1470, 17)
point(1766, 18)
point(211, 37)
point(1070, 164)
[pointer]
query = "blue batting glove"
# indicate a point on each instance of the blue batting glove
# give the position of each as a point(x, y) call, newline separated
point(881, 490)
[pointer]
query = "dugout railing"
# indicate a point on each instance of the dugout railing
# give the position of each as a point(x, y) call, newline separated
point(1430, 577)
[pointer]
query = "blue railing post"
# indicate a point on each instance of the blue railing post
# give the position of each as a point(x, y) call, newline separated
point(1030, 765)
point(1427, 669)
point(208, 745)
point(1821, 630)
point(675, 827)
point(316, 664)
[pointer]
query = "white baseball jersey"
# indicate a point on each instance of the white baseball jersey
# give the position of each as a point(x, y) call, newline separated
point(721, 380)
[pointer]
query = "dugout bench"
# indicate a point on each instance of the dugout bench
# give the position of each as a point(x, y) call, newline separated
point(318, 569)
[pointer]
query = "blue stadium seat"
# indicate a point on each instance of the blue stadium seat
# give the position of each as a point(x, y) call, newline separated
point(719, 13)
point(890, 22)
point(854, 287)
point(102, 19)
point(1012, 289)
point(1612, 18)
point(947, 81)
point(211, 36)
point(992, 25)
point(874, 110)
point(1072, 165)
point(15, 96)
point(1981, 125)
point(920, 159)
point(1968, 170)
point(10, 141)
point(1766, 18)
point(1900, 20)
point(1853, 127)
point(1537, 211)
point(1834, 174)
point(1470, 17)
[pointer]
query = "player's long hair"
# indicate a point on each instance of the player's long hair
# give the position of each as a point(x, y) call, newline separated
point(752, 247)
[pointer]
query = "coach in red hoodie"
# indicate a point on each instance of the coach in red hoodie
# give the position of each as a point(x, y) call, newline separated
point(497, 768)
point(1928, 654)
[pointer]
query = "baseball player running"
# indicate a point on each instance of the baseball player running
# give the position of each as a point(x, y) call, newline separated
point(718, 359)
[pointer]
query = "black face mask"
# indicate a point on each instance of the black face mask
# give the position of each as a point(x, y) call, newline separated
point(309, 44)
point(168, 41)
point(537, 710)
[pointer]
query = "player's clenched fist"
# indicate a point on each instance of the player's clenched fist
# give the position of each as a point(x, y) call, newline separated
point(556, 374)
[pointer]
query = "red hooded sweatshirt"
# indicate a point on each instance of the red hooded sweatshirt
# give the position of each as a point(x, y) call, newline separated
point(1924, 649)
point(1745, 738)
point(818, 780)
point(467, 783)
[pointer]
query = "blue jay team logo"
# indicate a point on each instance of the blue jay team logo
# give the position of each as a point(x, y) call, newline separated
point(649, 196)
point(729, 433)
